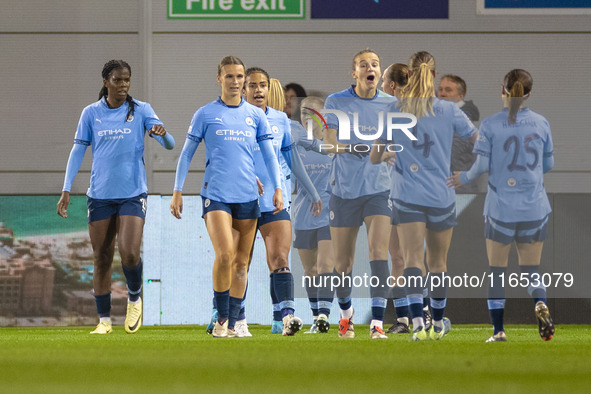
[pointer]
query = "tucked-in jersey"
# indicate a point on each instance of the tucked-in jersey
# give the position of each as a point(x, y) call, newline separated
point(353, 176)
point(318, 168)
point(279, 126)
point(516, 151)
point(117, 147)
point(230, 134)
point(422, 167)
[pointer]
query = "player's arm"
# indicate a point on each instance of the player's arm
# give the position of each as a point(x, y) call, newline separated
point(331, 145)
point(479, 167)
point(155, 128)
point(272, 165)
point(548, 155)
point(74, 163)
point(299, 171)
point(163, 137)
point(182, 169)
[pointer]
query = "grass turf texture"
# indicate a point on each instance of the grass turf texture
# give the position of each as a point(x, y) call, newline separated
point(183, 359)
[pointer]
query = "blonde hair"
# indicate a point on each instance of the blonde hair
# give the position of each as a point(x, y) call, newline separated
point(417, 96)
point(276, 96)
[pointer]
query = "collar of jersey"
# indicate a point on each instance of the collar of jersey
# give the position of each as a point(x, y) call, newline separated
point(104, 101)
point(219, 100)
point(354, 93)
point(520, 109)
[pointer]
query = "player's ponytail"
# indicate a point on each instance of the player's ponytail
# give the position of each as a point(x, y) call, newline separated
point(417, 96)
point(517, 87)
point(276, 97)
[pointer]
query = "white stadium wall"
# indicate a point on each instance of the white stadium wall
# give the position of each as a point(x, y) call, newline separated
point(53, 52)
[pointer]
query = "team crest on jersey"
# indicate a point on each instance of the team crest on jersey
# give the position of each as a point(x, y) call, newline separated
point(130, 118)
point(207, 202)
point(511, 182)
point(414, 167)
point(275, 129)
point(249, 121)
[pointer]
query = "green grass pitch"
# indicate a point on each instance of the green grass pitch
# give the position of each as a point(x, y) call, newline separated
point(184, 359)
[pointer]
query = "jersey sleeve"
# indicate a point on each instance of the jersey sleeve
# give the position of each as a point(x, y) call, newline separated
point(331, 119)
point(263, 128)
point(84, 129)
point(287, 139)
point(463, 126)
point(548, 144)
point(483, 144)
point(150, 117)
point(196, 130)
point(299, 136)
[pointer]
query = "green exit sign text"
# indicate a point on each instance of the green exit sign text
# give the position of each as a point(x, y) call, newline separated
point(236, 9)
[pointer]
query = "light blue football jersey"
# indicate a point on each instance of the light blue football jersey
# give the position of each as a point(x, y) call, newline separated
point(354, 176)
point(516, 151)
point(318, 168)
point(117, 148)
point(279, 126)
point(230, 134)
point(299, 137)
point(422, 167)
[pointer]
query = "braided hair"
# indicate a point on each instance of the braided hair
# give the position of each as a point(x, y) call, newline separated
point(107, 69)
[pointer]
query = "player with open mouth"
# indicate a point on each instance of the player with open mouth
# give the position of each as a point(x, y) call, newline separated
point(359, 190)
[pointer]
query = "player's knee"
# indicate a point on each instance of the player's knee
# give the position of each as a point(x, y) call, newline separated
point(225, 258)
point(103, 258)
point(130, 259)
point(279, 260)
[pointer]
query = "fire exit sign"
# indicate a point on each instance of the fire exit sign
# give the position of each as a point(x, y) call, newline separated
point(236, 9)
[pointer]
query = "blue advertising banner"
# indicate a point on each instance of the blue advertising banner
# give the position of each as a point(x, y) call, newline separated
point(380, 9)
point(537, 3)
point(545, 7)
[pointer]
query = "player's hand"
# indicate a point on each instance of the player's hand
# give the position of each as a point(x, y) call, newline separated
point(316, 208)
point(62, 204)
point(176, 204)
point(454, 180)
point(260, 187)
point(278, 201)
point(157, 129)
point(389, 158)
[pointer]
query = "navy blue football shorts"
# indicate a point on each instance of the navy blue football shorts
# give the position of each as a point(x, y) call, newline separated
point(100, 209)
point(240, 211)
point(308, 239)
point(436, 219)
point(351, 212)
point(520, 232)
point(268, 217)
